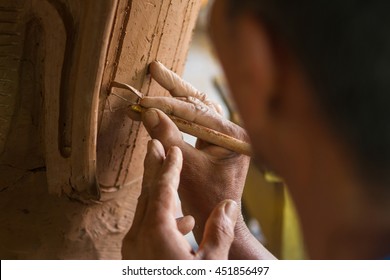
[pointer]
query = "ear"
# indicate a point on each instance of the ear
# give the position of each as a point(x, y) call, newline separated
point(269, 86)
point(268, 81)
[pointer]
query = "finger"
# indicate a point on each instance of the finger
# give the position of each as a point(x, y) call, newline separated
point(161, 127)
point(213, 105)
point(218, 108)
point(195, 112)
point(191, 109)
point(152, 165)
point(168, 104)
point(185, 224)
point(174, 83)
point(162, 204)
point(153, 162)
point(219, 231)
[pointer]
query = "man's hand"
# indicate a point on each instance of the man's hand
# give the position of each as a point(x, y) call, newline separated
point(155, 233)
point(210, 173)
point(211, 178)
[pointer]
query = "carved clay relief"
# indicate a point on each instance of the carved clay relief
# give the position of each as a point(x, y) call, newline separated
point(71, 161)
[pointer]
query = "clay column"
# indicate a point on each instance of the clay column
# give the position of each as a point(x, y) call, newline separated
point(71, 161)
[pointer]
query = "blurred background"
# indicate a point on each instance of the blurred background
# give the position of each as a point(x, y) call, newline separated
point(268, 209)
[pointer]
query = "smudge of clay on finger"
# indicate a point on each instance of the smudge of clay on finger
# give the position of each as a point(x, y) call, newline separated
point(195, 101)
point(216, 107)
point(178, 87)
point(173, 82)
point(192, 110)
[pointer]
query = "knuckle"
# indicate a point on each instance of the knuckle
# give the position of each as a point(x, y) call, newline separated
point(192, 100)
point(243, 135)
point(201, 96)
point(180, 98)
point(198, 106)
point(236, 131)
point(167, 108)
point(218, 108)
point(225, 231)
point(202, 109)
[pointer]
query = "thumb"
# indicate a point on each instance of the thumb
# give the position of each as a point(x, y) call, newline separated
point(160, 127)
point(219, 231)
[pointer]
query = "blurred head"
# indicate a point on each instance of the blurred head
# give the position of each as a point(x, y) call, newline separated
point(339, 49)
point(311, 80)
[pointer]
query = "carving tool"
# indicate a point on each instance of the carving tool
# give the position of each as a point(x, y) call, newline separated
point(202, 132)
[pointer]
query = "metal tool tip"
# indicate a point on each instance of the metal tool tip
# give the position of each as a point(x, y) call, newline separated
point(128, 87)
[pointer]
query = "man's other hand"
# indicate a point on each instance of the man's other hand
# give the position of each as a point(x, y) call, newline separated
point(155, 233)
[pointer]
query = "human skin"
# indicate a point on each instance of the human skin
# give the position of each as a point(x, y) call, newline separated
point(291, 135)
point(223, 172)
point(155, 233)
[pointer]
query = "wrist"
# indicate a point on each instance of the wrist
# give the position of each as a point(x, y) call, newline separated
point(241, 230)
point(246, 246)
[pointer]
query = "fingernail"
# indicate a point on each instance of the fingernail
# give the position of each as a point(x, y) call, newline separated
point(162, 65)
point(151, 118)
point(230, 208)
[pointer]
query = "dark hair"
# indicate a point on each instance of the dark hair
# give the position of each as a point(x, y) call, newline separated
point(344, 46)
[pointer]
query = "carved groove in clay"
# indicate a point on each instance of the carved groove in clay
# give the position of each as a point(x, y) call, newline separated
point(39, 180)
